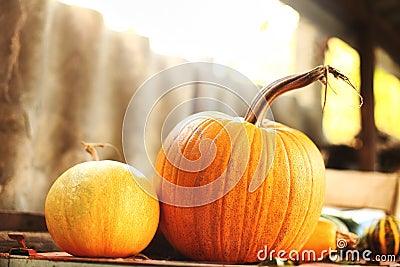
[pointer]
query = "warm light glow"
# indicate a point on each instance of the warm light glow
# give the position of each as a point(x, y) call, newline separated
point(255, 36)
point(387, 102)
point(342, 117)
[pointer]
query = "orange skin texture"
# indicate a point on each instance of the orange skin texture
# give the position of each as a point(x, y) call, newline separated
point(322, 240)
point(281, 213)
point(97, 209)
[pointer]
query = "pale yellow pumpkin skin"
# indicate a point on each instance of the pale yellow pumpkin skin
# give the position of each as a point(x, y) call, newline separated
point(280, 214)
point(97, 209)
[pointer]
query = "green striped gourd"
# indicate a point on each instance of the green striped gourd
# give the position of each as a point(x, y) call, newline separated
point(383, 236)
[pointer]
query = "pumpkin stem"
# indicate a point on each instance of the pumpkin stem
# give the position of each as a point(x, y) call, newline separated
point(91, 149)
point(351, 240)
point(256, 112)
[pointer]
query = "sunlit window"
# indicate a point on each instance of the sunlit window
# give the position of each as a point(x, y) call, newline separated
point(342, 117)
point(387, 102)
point(341, 120)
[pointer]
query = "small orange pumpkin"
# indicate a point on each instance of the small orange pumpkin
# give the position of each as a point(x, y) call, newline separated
point(321, 242)
point(327, 238)
point(263, 182)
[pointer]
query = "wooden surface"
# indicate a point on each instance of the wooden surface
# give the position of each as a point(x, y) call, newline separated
point(342, 186)
point(56, 259)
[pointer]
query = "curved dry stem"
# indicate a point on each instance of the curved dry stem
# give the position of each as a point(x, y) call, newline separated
point(91, 149)
point(256, 112)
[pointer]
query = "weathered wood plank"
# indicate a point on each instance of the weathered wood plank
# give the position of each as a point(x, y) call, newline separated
point(40, 241)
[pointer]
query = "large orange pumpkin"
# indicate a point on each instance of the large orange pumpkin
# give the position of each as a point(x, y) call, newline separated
point(263, 182)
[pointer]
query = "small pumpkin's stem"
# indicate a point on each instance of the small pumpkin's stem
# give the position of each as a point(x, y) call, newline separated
point(91, 149)
point(256, 112)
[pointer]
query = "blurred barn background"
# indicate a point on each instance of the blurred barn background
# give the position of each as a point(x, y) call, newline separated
point(67, 74)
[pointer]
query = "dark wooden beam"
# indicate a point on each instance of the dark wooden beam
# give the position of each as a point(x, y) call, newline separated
point(368, 134)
